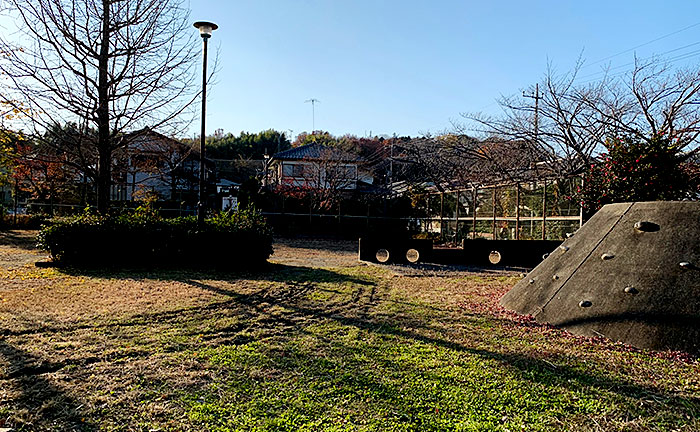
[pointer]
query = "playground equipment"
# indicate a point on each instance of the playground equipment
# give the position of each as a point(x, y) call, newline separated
point(631, 273)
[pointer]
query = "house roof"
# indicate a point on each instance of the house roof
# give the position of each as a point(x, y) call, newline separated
point(316, 151)
point(226, 183)
point(147, 134)
point(147, 140)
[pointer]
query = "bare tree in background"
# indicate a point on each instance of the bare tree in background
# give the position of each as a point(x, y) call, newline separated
point(653, 99)
point(453, 161)
point(570, 121)
point(563, 128)
point(112, 66)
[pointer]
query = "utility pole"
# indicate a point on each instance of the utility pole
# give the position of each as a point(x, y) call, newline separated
point(313, 113)
point(390, 176)
point(536, 97)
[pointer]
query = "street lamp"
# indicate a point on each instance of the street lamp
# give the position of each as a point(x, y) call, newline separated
point(205, 30)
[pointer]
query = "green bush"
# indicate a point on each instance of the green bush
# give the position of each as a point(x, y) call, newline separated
point(636, 169)
point(143, 239)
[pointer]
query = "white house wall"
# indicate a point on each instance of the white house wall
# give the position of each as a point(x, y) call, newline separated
point(313, 175)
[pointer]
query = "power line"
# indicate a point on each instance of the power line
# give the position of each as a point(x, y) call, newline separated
point(632, 63)
point(641, 45)
point(671, 60)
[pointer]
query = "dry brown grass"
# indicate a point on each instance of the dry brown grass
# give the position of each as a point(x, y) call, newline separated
point(158, 350)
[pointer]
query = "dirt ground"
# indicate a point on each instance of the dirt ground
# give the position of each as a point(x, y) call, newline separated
point(324, 253)
point(316, 253)
point(17, 249)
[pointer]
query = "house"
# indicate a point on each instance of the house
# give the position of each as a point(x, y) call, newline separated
point(153, 162)
point(317, 166)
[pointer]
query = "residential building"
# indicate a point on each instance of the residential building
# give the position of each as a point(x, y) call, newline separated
point(317, 166)
point(152, 162)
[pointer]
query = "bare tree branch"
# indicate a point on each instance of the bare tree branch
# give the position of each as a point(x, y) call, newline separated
point(112, 66)
point(575, 120)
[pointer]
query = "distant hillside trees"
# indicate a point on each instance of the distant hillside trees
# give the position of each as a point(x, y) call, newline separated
point(246, 145)
point(320, 137)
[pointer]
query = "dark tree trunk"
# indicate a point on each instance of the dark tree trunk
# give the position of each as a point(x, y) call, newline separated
point(104, 146)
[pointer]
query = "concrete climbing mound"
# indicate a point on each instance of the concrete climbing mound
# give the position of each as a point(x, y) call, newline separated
point(631, 273)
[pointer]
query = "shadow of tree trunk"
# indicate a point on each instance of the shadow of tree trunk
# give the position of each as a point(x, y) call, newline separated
point(35, 403)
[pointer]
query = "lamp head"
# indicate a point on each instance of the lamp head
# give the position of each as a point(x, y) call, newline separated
point(205, 28)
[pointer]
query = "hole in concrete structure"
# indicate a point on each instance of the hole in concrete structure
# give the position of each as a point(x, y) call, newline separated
point(685, 265)
point(646, 226)
point(382, 255)
point(412, 255)
point(642, 296)
point(494, 257)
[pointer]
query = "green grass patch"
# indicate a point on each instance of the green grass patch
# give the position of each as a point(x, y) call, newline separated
point(301, 349)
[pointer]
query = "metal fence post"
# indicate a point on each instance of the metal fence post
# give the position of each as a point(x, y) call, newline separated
point(544, 211)
point(517, 211)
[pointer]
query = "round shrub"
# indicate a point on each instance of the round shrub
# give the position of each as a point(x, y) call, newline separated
point(225, 241)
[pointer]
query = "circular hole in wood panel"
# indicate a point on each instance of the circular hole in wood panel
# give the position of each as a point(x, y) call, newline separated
point(412, 255)
point(382, 255)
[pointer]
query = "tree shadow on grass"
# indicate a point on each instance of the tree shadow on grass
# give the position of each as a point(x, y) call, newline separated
point(284, 311)
point(290, 282)
point(299, 316)
point(270, 271)
point(46, 407)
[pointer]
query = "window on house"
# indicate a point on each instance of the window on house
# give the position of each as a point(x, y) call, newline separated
point(295, 170)
point(342, 172)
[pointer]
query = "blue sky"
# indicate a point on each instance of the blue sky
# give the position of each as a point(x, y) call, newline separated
point(410, 67)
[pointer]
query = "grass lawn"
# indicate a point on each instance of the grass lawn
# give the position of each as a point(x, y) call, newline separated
point(297, 348)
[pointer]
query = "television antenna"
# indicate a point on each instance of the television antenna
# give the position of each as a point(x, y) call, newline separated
point(313, 113)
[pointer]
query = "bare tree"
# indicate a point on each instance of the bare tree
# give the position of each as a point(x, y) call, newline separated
point(453, 161)
point(653, 99)
point(557, 120)
point(568, 122)
point(108, 65)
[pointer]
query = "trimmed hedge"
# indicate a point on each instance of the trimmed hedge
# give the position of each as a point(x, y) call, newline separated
point(225, 241)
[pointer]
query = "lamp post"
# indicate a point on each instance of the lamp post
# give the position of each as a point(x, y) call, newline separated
point(205, 30)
